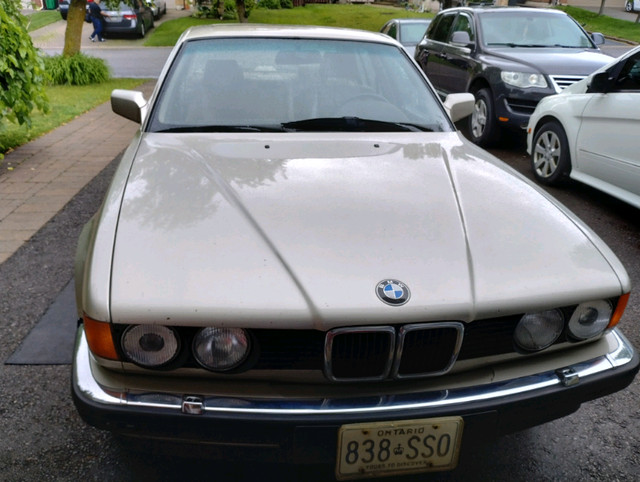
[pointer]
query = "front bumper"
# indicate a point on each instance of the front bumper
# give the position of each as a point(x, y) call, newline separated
point(305, 430)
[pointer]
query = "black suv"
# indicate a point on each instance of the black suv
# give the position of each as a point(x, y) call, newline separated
point(509, 58)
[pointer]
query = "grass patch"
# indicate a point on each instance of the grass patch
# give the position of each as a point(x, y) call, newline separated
point(41, 19)
point(67, 102)
point(364, 17)
point(612, 27)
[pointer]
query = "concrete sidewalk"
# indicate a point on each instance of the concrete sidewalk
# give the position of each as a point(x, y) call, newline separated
point(39, 178)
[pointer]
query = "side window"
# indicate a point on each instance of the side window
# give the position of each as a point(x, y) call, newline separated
point(629, 78)
point(393, 31)
point(440, 33)
point(464, 24)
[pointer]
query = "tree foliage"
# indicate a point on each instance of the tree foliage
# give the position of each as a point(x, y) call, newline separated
point(21, 68)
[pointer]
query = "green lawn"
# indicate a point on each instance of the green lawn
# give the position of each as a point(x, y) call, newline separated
point(612, 27)
point(67, 102)
point(42, 18)
point(365, 17)
point(370, 17)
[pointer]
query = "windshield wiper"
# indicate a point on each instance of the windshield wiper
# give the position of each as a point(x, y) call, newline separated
point(221, 128)
point(515, 45)
point(352, 124)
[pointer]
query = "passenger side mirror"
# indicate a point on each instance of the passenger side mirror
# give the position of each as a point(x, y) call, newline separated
point(459, 106)
point(597, 38)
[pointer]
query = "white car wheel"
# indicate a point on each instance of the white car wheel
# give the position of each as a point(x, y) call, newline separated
point(550, 157)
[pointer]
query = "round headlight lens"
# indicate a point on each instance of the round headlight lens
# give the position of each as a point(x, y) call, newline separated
point(590, 319)
point(221, 349)
point(537, 331)
point(150, 345)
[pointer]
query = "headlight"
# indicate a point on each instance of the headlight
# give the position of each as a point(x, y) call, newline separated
point(537, 331)
point(150, 345)
point(590, 319)
point(523, 80)
point(221, 349)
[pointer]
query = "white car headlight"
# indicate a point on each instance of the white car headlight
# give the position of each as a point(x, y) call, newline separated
point(537, 331)
point(590, 319)
point(221, 349)
point(523, 80)
point(150, 345)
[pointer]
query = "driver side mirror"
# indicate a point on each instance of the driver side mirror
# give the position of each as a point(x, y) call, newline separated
point(600, 83)
point(461, 38)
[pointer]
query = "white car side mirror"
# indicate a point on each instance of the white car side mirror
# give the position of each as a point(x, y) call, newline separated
point(459, 106)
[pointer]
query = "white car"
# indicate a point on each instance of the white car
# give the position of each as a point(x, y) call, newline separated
point(589, 132)
point(300, 259)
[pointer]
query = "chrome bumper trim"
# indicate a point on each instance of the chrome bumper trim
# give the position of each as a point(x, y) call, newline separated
point(86, 385)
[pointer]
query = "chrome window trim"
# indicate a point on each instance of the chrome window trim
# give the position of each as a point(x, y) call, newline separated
point(328, 345)
point(459, 327)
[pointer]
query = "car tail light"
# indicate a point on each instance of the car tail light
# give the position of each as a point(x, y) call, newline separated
point(150, 346)
point(129, 16)
point(99, 338)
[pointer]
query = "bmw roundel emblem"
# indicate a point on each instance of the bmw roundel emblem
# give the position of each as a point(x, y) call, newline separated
point(393, 292)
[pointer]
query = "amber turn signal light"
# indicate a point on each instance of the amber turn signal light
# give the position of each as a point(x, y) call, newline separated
point(617, 314)
point(99, 337)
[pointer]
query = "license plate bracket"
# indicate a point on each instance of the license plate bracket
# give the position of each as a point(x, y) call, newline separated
point(398, 447)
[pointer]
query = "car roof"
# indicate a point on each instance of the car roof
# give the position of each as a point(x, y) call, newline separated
point(282, 31)
point(489, 9)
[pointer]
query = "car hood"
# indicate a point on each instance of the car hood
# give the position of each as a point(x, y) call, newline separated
point(556, 61)
point(296, 230)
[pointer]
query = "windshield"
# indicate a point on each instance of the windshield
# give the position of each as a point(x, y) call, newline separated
point(514, 29)
point(266, 84)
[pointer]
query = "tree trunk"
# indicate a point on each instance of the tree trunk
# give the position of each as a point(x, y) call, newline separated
point(601, 7)
point(75, 22)
point(242, 12)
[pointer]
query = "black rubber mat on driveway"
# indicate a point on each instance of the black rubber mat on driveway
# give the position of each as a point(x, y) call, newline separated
point(51, 341)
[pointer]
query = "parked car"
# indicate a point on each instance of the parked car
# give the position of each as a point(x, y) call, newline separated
point(632, 5)
point(509, 58)
point(305, 262)
point(129, 19)
point(407, 31)
point(158, 7)
point(588, 132)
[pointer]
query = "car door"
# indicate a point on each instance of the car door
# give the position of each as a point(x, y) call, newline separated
point(456, 60)
point(429, 52)
point(607, 142)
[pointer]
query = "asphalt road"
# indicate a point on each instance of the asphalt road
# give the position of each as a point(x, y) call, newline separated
point(43, 438)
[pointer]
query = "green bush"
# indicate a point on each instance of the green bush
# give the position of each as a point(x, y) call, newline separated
point(21, 68)
point(79, 69)
point(269, 4)
point(286, 3)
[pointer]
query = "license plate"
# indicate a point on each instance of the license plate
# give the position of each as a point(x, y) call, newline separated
point(400, 447)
